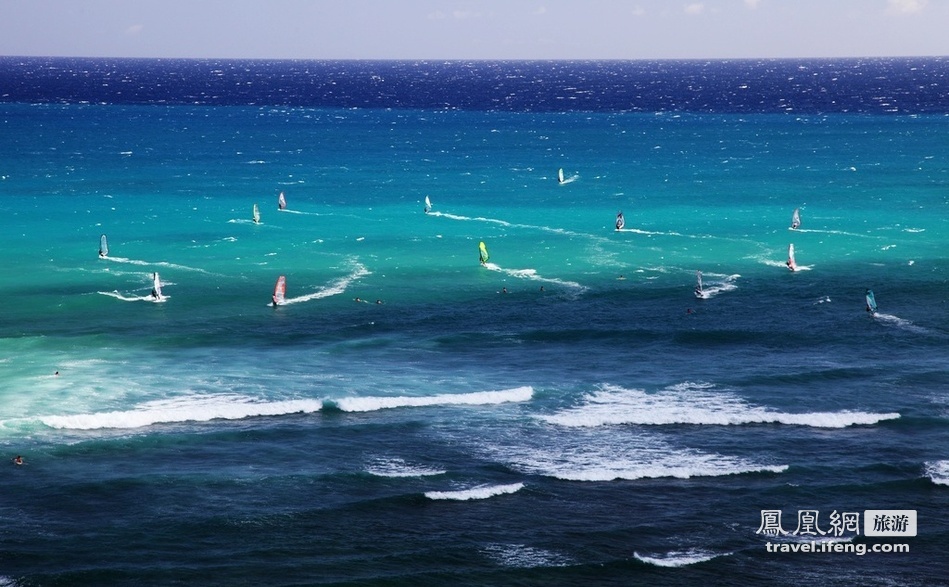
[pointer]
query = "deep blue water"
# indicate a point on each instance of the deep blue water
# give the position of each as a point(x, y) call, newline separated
point(568, 414)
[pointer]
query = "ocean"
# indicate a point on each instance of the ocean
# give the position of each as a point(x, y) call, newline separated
point(570, 412)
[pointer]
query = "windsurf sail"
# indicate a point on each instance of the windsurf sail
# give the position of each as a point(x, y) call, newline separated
point(791, 263)
point(281, 202)
point(103, 246)
point(620, 221)
point(256, 214)
point(428, 205)
point(484, 252)
point(796, 218)
point(698, 284)
point(560, 175)
point(871, 302)
point(280, 291)
point(156, 286)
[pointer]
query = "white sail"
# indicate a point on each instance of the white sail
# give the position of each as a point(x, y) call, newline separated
point(103, 246)
point(796, 218)
point(791, 263)
point(428, 205)
point(620, 221)
point(560, 175)
point(698, 285)
point(256, 214)
point(156, 286)
point(281, 202)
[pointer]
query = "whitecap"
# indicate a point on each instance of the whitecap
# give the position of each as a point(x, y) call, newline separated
point(679, 558)
point(479, 492)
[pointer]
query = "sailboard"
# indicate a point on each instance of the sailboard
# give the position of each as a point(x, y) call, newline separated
point(560, 175)
point(103, 246)
point(620, 221)
point(428, 205)
point(698, 285)
point(484, 252)
point(796, 218)
point(791, 263)
point(280, 291)
point(281, 202)
point(256, 214)
point(871, 302)
point(156, 286)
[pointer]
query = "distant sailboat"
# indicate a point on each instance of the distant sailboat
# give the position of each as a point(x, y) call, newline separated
point(281, 202)
point(484, 252)
point(280, 291)
point(560, 175)
point(103, 246)
point(256, 214)
point(791, 263)
point(156, 286)
point(428, 205)
point(871, 302)
point(698, 285)
point(620, 221)
point(796, 218)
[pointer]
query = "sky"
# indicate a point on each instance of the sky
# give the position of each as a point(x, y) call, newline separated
point(474, 29)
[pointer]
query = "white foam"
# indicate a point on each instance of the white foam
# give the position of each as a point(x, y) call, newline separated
point(691, 403)
point(193, 408)
point(399, 468)
point(606, 457)
point(124, 298)
point(532, 275)
point(938, 472)
point(333, 288)
point(479, 492)
point(679, 558)
point(369, 404)
point(714, 284)
point(156, 264)
point(899, 323)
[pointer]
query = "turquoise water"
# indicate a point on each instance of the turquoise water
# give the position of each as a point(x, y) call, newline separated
point(568, 414)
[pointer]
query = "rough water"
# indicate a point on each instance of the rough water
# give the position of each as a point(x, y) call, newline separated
point(568, 413)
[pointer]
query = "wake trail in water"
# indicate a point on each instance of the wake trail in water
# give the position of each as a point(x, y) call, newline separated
point(334, 288)
point(532, 275)
point(156, 264)
point(124, 298)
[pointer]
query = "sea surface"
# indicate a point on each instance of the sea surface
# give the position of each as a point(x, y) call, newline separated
point(568, 413)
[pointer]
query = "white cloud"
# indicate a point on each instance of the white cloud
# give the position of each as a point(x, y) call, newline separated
point(696, 8)
point(905, 6)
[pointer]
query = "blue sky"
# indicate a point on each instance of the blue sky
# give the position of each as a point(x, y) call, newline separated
point(475, 29)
